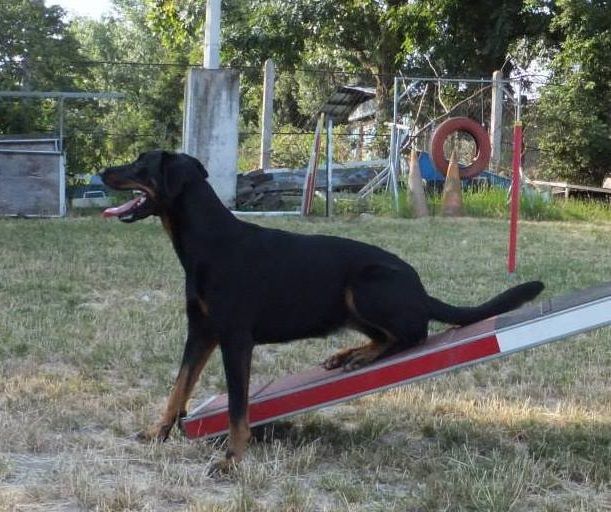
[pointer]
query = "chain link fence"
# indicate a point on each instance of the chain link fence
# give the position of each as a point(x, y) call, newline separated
point(100, 132)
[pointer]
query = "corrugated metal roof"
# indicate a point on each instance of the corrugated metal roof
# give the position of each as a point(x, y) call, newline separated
point(345, 99)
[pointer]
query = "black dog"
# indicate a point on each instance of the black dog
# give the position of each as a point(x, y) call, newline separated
point(247, 285)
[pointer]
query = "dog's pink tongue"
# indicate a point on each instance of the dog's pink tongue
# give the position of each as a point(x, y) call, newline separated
point(120, 210)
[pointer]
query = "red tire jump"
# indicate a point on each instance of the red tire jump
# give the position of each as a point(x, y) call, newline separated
point(473, 128)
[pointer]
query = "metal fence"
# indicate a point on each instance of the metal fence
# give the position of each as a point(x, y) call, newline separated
point(96, 132)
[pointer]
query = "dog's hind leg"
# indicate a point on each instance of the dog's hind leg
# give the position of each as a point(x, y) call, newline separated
point(356, 357)
point(200, 344)
point(385, 305)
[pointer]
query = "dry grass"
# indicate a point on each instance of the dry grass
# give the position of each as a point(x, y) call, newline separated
point(91, 330)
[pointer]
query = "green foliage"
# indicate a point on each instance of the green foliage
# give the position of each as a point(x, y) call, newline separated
point(487, 203)
point(376, 40)
point(35, 45)
point(473, 39)
point(291, 148)
point(573, 113)
point(37, 53)
point(150, 115)
point(371, 41)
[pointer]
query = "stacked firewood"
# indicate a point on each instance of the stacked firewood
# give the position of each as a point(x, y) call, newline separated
point(268, 188)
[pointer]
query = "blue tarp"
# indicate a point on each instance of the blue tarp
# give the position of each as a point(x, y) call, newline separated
point(430, 173)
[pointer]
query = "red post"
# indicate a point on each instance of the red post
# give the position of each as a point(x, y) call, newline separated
point(515, 197)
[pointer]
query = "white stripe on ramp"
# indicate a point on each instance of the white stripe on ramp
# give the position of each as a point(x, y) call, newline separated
point(554, 326)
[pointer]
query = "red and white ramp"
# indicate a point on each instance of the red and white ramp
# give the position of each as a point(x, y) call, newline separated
point(495, 337)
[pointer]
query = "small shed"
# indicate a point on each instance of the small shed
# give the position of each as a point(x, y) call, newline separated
point(350, 103)
point(32, 177)
point(354, 106)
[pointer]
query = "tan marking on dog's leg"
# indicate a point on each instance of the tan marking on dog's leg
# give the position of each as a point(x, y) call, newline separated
point(365, 355)
point(338, 358)
point(203, 305)
point(239, 435)
point(357, 357)
point(177, 401)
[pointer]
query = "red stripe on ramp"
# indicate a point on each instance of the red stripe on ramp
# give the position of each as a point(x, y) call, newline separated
point(263, 409)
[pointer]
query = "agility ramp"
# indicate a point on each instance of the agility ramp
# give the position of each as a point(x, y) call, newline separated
point(530, 326)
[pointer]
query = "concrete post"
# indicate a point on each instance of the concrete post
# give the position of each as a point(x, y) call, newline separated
point(266, 115)
point(496, 120)
point(210, 126)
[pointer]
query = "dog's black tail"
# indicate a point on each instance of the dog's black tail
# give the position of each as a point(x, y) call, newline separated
point(506, 301)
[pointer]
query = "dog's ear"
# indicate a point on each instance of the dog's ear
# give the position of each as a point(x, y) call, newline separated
point(198, 165)
point(191, 164)
point(177, 171)
point(173, 177)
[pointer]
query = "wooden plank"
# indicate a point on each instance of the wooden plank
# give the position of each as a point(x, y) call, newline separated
point(310, 179)
point(568, 186)
point(350, 176)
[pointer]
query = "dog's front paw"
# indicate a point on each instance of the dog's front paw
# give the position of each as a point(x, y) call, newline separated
point(158, 433)
point(222, 467)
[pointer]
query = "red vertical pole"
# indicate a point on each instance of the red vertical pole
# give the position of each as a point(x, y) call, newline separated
point(515, 197)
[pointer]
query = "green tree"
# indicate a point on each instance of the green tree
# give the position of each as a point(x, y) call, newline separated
point(126, 57)
point(473, 38)
point(574, 111)
point(378, 38)
point(37, 53)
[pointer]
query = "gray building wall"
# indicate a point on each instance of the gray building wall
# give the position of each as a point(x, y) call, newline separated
point(32, 180)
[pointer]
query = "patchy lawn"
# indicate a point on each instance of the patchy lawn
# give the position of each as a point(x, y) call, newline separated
point(91, 334)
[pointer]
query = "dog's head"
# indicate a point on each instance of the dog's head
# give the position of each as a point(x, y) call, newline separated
point(158, 176)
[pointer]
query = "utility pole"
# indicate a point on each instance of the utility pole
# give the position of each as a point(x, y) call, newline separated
point(329, 195)
point(269, 76)
point(211, 112)
point(212, 33)
point(496, 120)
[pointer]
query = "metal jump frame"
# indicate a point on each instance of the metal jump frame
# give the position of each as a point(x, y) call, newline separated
point(402, 135)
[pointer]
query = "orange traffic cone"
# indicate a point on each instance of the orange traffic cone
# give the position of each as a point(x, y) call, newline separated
point(451, 201)
point(414, 182)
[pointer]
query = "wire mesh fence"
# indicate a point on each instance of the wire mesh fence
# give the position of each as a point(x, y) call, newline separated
point(300, 95)
point(100, 132)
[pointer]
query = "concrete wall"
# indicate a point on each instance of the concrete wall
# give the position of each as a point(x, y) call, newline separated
point(210, 126)
point(32, 180)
